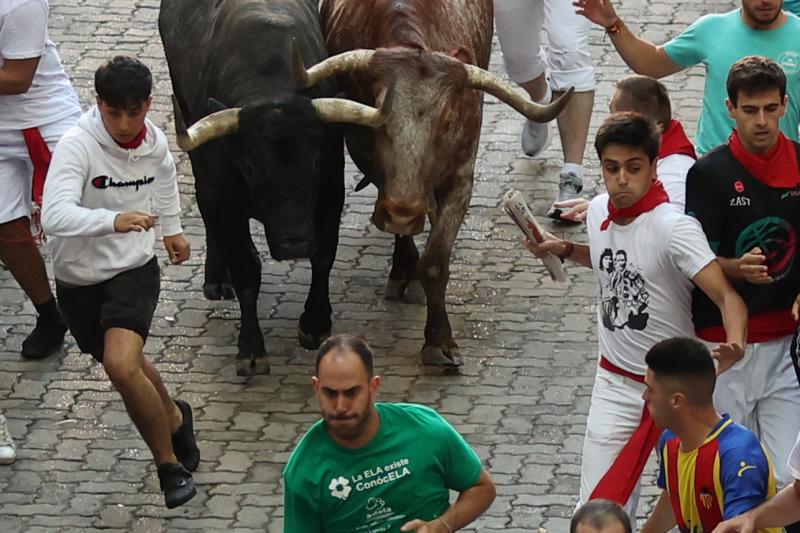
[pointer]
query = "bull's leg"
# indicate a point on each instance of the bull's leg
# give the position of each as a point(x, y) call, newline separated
point(434, 273)
point(403, 283)
point(217, 282)
point(244, 265)
point(231, 231)
point(315, 322)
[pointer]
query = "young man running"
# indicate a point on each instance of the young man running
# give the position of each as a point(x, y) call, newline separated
point(106, 171)
point(659, 255)
point(746, 195)
point(370, 466)
point(710, 468)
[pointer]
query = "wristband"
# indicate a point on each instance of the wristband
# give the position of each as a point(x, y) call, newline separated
point(569, 247)
point(615, 27)
point(449, 529)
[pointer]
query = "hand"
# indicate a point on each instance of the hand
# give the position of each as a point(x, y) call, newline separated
point(420, 526)
point(177, 247)
point(550, 245)
point(598, 11)
point(796, 308)
point(727, 354)
point(134, 221)
point(740, 524)
point(752, 267)
point(578, 208)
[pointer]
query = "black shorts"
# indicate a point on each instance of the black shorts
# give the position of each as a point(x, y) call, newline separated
point(128, 300)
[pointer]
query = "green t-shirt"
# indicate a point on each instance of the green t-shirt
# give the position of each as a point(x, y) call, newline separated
point(404, 473)
point(718, 41)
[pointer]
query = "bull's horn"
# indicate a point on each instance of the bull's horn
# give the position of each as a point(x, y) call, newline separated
point(206, 129)
point(352, 61)
point(486, 81)
point(341, 110)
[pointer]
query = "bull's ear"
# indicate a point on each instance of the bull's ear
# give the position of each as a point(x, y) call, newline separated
point(464, 55)
point(215, 105)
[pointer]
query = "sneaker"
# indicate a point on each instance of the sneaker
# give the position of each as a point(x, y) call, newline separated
point(183, 442)
point(45, 339)
point(535, 137)
point(569, 187)
point(8, 452)
point(176, 483)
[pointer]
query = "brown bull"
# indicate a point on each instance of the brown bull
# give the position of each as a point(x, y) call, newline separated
point(430, 56)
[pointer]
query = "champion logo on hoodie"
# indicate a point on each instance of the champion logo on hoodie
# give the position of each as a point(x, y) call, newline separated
point(104, 182)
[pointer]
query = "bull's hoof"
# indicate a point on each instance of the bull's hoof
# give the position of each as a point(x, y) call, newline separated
point(252, 366)
point(401, 290)
point(219, 291)
point(310, 341)
point(394, 289)
point(415, 294)
point(433, 355)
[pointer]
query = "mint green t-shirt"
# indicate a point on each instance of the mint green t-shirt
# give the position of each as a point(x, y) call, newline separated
point(718, 41)
point(404, 473)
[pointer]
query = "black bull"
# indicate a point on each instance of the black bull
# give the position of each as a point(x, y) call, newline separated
point(260, 147)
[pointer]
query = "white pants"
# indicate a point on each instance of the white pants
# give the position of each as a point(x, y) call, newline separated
point(614, 414)
point(519, 29)
point(762, 393)
point(16, 168)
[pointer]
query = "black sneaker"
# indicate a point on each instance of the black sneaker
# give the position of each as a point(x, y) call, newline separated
point(183, 442)
point(45, 339)
point(176, 483)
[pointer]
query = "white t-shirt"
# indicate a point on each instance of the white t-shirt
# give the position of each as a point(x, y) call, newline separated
point(794, 459)
point(50, 98)
point(644, 272)
point(672, 171)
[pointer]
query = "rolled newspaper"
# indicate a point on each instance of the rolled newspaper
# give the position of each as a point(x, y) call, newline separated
point(515, 207)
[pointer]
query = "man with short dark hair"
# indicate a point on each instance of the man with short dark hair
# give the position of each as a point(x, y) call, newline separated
point(106, 172)
point(370, 466)
point(710, 469)
point(746, 196)
point(717, 41)
point(664, 250)
point(600, 516)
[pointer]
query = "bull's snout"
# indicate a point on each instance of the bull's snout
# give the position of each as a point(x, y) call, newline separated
point(291, 248)
point(399, 218)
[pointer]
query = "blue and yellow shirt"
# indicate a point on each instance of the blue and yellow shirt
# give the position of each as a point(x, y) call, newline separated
point(728, 475)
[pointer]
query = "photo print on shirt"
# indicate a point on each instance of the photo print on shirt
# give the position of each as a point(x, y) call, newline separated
point(623, 294)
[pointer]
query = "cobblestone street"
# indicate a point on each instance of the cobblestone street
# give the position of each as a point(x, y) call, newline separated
point(529, 345)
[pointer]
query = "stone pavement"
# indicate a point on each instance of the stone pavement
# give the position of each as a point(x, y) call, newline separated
point(521, 398)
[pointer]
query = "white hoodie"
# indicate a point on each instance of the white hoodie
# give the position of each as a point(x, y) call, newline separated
point(92, 180)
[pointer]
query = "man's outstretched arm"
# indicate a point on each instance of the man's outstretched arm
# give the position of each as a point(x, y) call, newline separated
point(713, 282)
point(642, 56)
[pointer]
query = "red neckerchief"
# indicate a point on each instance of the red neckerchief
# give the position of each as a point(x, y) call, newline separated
point(674, 141)
point(136, 141)
point(777, 168)
point(654, 197)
